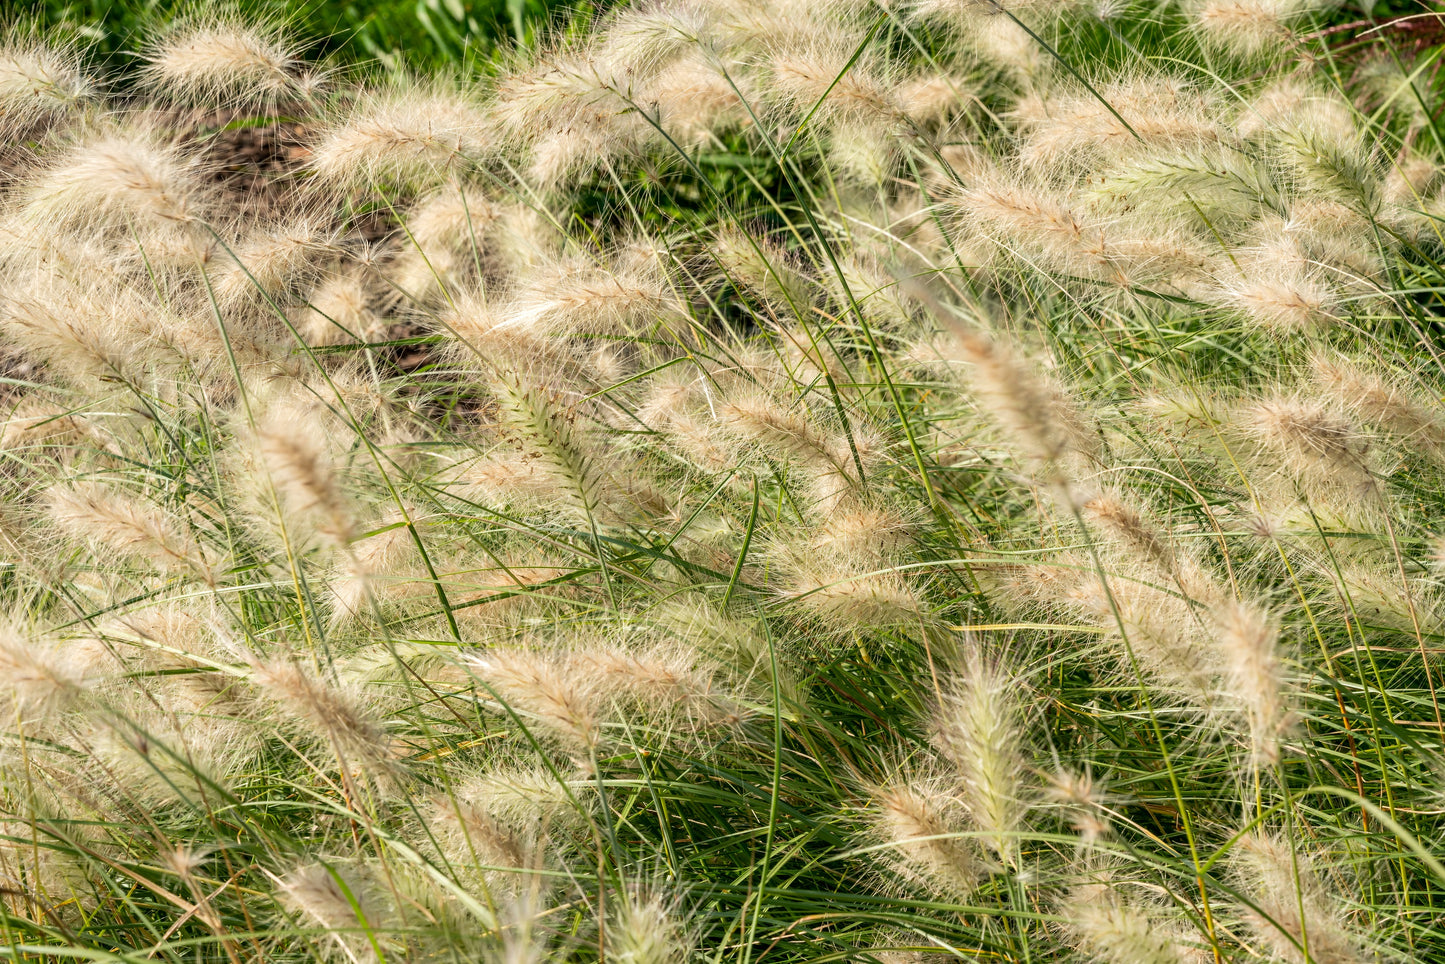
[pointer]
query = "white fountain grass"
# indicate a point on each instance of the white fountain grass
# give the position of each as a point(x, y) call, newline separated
point(992, 511)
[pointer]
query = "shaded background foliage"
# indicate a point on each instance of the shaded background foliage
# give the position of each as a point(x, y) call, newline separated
point(421, 33)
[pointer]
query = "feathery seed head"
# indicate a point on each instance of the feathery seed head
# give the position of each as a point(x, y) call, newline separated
point(36, 674)
point(1436, 554)
point(413, 137)
point(848, 600)
point(860, 153)
point(559, 92)
point(644, 929)
point(1410, 180)
point(455, 217)
point(80, 337)
point(545, 690)
point(642, 40)
point(295, 455)
point(184, 860)
point(526, 239)
point(1283, 299)
point(744, 26)
point(1248, 638)
point(1005, 42)
point(570, 154)
point(1299, 917)
point(484, 336)
point(1380, 400)
point(978, 728)
point(1185, 409)
point(1040, 420)
point(571, 113)
point(339, 311)
point(922, 823)
point(556, 441)
point(533, 795)
point(789, 433)
point(1157, 628)
point(1043, 224)
point(933, 100)
point(127, 526)
point(875, 290)
point(222, 61)
point(342, 900)
point(424, 279)
point(868, 536)
point(760, 267)
point(995, 29)
point(329, 711)
point(664, 683)
point(735, 644)
point(478, 825)
point(34, 422)
point(572, 300)
point(1308, 118)
point(44, 877)
point(699, 440)
point(1112, 931)
point(1326, 231)
point(1228, 187)
point(373, 566)
point(1138, 534)
point(1031, 589)
point(516, 478)
point(819, 73)
point(173, 758)
point(1147, 115)
point(118, 179)
point(696, 103)
point(1276, 106)
point(1313, 440)
point(1248, 28)
point(38, 83)
point(607, 365)
point(272, 261)
point(1082, 799)
point(1378, 597)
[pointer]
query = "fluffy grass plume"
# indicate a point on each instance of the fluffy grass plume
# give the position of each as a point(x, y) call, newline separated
point(763, 481)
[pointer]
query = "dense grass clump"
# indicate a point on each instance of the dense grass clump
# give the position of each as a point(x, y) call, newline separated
point(745, 481)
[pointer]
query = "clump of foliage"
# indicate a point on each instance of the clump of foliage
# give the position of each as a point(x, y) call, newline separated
point(764, 480)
